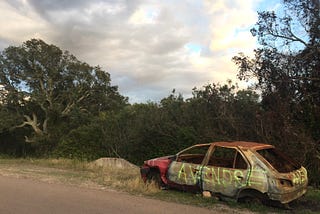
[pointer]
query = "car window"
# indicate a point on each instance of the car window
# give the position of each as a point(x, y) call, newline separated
point(227, 158)
point(194, 154)
point(278, 160)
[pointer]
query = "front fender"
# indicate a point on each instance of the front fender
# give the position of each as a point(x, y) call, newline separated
point(144, 171)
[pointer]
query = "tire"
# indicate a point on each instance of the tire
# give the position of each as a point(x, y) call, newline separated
point(154, 177)
point(253, 198)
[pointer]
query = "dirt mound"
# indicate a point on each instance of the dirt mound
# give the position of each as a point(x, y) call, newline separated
point(115, 162)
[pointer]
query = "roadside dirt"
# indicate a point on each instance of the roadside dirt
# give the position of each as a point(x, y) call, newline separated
point(32, 188)
point(47, 185)
point(31, 196)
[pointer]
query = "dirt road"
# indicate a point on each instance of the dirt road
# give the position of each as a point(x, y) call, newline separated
point(20, 195)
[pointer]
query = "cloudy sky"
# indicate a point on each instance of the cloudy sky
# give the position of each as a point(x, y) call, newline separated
point(149, 47)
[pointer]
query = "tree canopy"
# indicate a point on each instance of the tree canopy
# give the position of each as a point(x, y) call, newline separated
point(42, 84)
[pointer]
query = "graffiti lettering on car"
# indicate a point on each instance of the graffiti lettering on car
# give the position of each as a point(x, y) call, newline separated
point(220, 176)
point(299, 178)
point(184, 170)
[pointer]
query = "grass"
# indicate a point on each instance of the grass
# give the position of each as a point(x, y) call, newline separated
point(87, 174)
point(313, 194)
point(77, 173)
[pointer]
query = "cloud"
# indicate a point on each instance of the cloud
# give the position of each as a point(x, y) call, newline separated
point(148, 47)
point(231, 21)
point(144, 15)
point(18, 23)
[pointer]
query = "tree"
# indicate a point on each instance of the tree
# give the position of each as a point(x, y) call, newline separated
point(287, 69)
point(222, 112)
point(44, 85)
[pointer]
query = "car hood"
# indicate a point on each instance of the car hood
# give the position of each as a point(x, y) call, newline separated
point(169, 157)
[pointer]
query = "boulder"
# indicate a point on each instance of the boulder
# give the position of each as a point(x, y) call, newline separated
point(115, 162)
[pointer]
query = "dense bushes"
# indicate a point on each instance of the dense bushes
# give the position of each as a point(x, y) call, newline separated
point(143, 131)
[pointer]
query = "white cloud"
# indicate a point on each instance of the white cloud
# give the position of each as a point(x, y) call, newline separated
point(231, 21)
point(19, 24)
point(144, 15)
point(148, 47)
point(105, 8)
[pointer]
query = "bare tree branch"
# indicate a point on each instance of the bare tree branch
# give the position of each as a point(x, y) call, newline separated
point(31, 122)
point(69, 107)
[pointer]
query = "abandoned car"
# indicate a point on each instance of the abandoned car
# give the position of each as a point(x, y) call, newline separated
point(239, 170)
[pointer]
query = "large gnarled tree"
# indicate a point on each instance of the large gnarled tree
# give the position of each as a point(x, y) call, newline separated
point(43, 83)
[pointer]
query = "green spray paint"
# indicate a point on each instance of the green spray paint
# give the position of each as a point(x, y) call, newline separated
point(182, 172)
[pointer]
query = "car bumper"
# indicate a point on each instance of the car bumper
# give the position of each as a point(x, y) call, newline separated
point(289, 196)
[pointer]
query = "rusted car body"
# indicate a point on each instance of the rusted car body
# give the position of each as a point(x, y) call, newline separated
point(239, 170)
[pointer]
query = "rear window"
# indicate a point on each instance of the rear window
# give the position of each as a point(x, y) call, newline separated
point(278, 160)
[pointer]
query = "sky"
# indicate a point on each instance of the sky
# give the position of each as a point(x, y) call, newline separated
point(149, 47)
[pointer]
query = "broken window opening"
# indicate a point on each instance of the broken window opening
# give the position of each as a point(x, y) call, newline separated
point(227, 158)
point(193, 155)
point(278, 160)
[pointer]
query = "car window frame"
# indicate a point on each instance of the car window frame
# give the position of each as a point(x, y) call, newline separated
point(204, 160)
point(237, 152)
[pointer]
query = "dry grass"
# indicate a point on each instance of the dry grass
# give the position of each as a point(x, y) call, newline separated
point(79, 173)
point(126, 179)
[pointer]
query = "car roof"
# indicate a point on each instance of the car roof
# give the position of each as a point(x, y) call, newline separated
point(243, 144)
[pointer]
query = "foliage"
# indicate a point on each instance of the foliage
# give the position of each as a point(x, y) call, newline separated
point(287, 70)
point(43, 85)
point(143, 131)
point(49, 94)
point(83, 143)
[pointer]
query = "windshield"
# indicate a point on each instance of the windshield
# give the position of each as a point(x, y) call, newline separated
point(279, 161)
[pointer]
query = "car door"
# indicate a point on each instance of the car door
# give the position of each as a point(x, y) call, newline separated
point(186, 169)
point(226, 171)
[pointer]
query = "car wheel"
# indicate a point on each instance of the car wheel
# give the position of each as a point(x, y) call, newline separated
point(254, 198)
point(154, 177)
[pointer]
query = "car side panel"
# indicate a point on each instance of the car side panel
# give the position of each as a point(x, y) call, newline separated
point(222, 180)
point(184, 173)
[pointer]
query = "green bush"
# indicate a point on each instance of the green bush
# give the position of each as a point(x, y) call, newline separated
point(84, 143)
